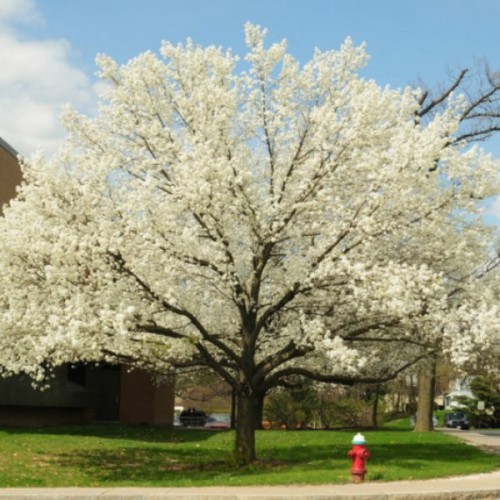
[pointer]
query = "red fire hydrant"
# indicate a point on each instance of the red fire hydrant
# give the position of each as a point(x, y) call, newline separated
point(358, 454)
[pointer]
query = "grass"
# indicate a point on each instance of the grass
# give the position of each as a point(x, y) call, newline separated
point(108, 455)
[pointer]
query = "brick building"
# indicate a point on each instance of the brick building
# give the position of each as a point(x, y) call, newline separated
point(10, 173)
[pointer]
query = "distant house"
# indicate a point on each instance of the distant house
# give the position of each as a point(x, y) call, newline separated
point(79, 393)
point(458, 388)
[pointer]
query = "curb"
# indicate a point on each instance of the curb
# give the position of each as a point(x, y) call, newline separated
point(475, 487)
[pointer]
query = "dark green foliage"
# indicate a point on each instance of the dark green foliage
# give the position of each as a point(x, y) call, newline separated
point(486, 390)
point(347, 412)
point(327, 407)
point(292, 408)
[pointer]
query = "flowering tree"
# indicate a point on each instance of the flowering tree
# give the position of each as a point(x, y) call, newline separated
point(479, 119)
point(464, 254)
point(257, 222)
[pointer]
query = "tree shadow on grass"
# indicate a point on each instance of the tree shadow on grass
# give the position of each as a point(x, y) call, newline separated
point(157, 466)
point(143, 455)
point(147, 465)
point(142, 433)
point(181, 466)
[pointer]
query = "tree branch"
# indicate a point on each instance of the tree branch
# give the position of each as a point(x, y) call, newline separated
point(442, 97)
point(276, 378)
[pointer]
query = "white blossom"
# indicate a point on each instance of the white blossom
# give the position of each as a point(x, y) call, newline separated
point(278, 218)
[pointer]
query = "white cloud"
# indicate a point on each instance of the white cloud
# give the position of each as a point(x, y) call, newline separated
point(19, 10)
point(36, 80)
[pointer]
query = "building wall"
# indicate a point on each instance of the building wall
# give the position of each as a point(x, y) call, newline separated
point(143, 401)
point(29, 416)
point(94, 393)
point(64, 402)
point(10, 173)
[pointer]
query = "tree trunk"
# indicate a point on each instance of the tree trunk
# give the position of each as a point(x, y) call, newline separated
point(259, 410)
point(412, 398)
point(245, 428)
point(233, 409)
point(426, 390)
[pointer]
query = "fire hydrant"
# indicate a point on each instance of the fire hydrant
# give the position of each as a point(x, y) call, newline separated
point(358, 454)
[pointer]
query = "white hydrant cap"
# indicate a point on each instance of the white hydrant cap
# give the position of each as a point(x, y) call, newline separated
point(359, 439)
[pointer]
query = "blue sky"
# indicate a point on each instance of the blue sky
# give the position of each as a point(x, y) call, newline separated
point(406, 39)
point(47, 47)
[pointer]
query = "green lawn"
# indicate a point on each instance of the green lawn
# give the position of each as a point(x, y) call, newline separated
point(108, 455)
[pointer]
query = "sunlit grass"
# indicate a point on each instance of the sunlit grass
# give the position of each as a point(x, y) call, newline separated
point(110, 455)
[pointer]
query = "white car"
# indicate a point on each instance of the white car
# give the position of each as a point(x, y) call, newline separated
point(218, 421)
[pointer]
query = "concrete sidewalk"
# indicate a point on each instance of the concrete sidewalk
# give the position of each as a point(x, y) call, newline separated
point(480, 486)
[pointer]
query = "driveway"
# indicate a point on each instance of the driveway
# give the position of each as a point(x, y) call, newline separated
point(488, 439)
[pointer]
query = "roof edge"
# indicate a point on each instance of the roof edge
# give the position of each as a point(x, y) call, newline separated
point(8, 148)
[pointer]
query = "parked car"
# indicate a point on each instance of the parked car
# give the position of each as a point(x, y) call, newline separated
point(218, 421)
point(193, 418)
point(456, 420)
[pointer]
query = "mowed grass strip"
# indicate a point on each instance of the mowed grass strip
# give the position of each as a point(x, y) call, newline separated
point(109, 455)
